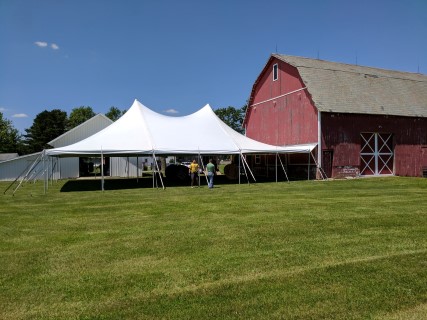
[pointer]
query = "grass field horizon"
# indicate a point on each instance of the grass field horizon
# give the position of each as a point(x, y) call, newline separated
point(343, 249)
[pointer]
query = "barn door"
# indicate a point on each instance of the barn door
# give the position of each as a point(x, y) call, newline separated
point(376, 154)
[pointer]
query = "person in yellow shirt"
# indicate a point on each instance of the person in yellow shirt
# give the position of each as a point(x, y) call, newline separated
point(194, 173)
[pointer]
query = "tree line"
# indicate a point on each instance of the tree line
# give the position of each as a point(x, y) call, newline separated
point(48, 125)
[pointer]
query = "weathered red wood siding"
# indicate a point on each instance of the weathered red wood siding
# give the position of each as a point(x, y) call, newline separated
point(291, 119)
point(341, 134)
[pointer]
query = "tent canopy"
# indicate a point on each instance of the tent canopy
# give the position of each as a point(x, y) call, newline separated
point(141, 131)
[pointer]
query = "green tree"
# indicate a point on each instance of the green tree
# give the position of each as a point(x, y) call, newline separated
point(78, 116)
point(47, 126)
point(9, 136)
point(114, 113)
point(232, 117)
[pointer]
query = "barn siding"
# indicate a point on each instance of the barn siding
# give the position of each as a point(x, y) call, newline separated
point(341, 134)
point(290, 119)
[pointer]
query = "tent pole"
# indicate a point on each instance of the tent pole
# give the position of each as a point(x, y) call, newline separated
point(203, 168)
point(283, 167)
point(59, 168)
point(238, 168)
point(277, 154)
point(244, 168)
point(102, 170)
point(318, 167)
point(158, 171)
point(45, 172)
point(308, 169)
point(137, 169)
point(245, 162)
point(31, 167)
point(51, 170)
point(152, 168)
point(128, 166)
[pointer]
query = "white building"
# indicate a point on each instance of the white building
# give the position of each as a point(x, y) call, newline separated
point(33, 166)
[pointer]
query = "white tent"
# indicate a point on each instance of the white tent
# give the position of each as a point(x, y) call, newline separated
point(143, 131)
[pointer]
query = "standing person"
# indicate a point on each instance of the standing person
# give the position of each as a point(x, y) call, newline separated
point(194, 173)
point(210, 168)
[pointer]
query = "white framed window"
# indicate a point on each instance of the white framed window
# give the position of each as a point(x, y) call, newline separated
point(275, 71)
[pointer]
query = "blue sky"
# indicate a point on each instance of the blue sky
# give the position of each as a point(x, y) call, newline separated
point(176, 56)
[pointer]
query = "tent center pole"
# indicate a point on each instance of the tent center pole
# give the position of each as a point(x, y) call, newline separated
point(102, 170)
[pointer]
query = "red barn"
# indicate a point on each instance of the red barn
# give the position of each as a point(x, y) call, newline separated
point(365, 121)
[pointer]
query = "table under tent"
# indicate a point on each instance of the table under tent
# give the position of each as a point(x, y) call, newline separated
point(144, 132)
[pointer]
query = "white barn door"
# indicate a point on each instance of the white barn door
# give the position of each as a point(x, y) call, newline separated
point(376, 154)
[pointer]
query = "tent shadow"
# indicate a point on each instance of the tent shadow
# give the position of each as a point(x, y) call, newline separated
point(79, 185)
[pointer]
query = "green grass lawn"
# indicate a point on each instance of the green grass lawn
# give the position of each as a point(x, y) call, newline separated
point(353, 249)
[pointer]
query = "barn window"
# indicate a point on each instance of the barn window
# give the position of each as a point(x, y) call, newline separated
point(275, 72)
point(257, 159)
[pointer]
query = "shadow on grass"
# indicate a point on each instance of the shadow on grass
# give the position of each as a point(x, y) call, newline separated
point(132, 183)
point(145, 182)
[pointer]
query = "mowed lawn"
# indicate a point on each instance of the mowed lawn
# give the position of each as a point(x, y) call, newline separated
point(351, 249)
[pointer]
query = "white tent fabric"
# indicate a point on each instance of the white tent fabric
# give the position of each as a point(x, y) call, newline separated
point(143, 131)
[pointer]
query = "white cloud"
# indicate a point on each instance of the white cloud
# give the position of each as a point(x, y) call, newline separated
point(40, 44)
point(43, 44)
point(20, 115)
point(173, 111)
point(2, 109)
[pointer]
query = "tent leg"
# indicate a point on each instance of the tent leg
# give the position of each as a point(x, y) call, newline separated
point(283, 167)
point(276, 165)
point(31, 167)
point(244, 168)
point(203, 168)
point(137, 169)
point(45, 173)
point(319, 168)
point(102, 171)
point(157, 172)
point(245, 162)
point(238, 168)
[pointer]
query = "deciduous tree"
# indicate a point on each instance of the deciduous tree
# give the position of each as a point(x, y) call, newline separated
point(78, 116)
point(232, 117)
point(9, 136)
point(114, 113)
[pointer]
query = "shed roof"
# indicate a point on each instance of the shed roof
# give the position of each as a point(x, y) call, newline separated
point(82, 131)
point(346, 88)
point(8, 156)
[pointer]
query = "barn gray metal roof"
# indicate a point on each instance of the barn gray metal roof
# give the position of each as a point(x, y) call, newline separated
point(346, 88)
